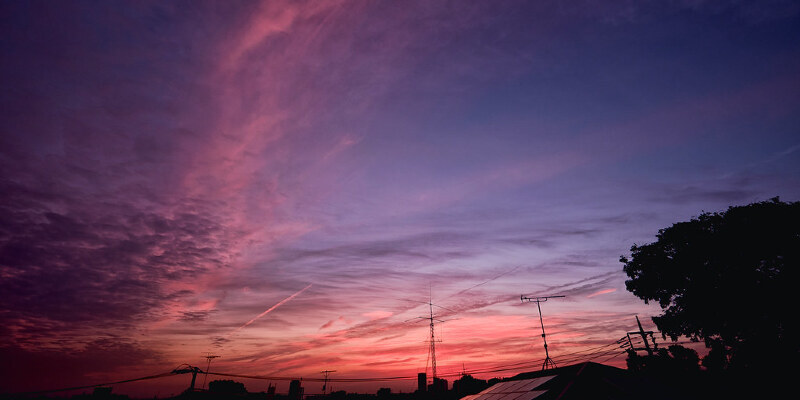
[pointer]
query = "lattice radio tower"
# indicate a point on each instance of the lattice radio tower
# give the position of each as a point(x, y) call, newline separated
point(548, 362)
point(432, 346)
point(432, 349)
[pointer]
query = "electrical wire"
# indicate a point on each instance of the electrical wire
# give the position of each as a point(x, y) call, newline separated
point(607, 352)
point(97, 385)
point(584, 355)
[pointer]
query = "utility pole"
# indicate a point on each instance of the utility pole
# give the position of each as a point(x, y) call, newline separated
point(325, 385)
point(209, 357)
point(541, 299)
point(644, 336)
point(641, 332)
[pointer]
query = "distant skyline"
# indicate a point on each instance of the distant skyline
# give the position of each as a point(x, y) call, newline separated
point(285, 183)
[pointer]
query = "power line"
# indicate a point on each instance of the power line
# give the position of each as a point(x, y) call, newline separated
point(591, 353)
point(188, 370)
point(501, 368)
point(577, 356)
point(98, 384)
point(613, 356)
point(532, 364)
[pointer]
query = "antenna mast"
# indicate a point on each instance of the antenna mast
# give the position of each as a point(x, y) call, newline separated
point(541, 299)
point(209, 357)
point(325, 385)
point(433, 344)
point(188, 369)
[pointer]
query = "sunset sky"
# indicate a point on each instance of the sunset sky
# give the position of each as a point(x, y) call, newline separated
point(170, 171)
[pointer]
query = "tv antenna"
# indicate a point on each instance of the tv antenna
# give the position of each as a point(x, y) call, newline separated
point(325, 385)
point(188, 369)
point(208, 357)
point(548, 362)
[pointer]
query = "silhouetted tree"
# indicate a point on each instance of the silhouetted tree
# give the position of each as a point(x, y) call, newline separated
point(226, 386)
point(98, 393)
point(684, 359)
point(467, 385)
point(725, 278)
point(675, 361)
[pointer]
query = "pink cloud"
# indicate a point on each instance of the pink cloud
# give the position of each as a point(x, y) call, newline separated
point(272, 136)
point(604, 291)
point(372, 315)
point(332, 322)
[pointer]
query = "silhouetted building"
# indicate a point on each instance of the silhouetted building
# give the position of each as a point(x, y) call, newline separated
point(579, 381)
point(439, 385)
point(295, 390)
point(270, 392)
point(338, 395)
point(101, 391)
point(468, 385)
point(384, 393)
point(226, 386)
point(422, 381)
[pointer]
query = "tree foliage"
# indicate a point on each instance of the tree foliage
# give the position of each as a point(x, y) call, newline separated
point(725, 278)
point(226, 386)
point(674, 360)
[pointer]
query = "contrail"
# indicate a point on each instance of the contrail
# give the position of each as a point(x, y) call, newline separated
point(485, 282)
point(270, 309)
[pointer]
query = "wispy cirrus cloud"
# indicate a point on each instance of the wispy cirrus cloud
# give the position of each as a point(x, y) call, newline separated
point(169, 170)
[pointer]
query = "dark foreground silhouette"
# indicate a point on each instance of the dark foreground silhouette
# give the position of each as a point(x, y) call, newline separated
point(672, 373)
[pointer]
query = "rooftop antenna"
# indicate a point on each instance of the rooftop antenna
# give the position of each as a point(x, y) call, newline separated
point(325, 385)
point(209, 357)
point(548, 362)
point(188, 369)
